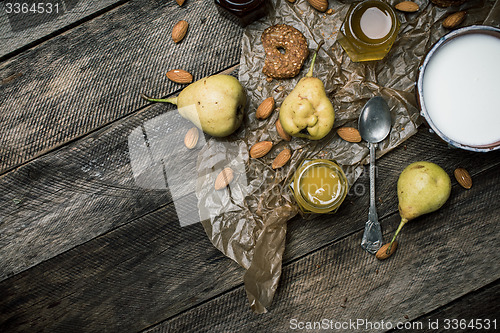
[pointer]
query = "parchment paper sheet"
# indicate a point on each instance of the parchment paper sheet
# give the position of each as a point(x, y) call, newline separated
point(247, 220)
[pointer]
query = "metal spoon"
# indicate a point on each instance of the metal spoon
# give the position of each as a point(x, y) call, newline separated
point(374, 126)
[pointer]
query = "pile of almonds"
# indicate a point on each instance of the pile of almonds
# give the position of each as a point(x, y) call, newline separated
point(262, 148)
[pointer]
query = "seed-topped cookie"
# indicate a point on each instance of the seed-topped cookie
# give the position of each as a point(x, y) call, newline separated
point(286, 51)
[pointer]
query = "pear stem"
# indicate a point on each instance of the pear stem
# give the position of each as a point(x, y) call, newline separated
point(310, 72)
point(403, 222)
point(172, 100)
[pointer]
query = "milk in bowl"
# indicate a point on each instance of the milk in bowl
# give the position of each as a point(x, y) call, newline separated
point(459, 88)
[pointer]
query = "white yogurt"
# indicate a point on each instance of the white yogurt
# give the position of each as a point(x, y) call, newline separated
point(461, 89)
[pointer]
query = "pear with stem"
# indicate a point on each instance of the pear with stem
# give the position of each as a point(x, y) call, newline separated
point(423, 187)
point(215, 104)
point(307, 112)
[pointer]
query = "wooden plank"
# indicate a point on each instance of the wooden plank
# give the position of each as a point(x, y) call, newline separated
point(78, 192)
point(478, 307)
point(442, 257)
point(83, 190)
point(93, 74)
point(90, 288)
point(23, 27)
point(69, 197)
point(153, 263)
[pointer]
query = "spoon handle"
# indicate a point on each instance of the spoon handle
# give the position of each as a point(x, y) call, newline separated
point(372, 237)
point(372, 180)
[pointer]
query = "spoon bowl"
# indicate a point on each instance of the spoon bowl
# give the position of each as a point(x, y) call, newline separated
point(375, 120)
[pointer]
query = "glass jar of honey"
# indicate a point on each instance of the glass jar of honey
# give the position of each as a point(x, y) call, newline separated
point(319, 186)
point(369, 30)
point(243, 12)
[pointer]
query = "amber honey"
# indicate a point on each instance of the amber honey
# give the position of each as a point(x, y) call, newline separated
point(369, 30)
point(319, 186)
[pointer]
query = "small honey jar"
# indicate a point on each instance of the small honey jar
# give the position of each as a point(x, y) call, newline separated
point(319, 186)
point(369, 30)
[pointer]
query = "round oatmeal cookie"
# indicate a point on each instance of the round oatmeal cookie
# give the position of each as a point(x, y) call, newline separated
point(286, 51)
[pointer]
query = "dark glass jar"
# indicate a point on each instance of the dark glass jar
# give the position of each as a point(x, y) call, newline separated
point(243, 12)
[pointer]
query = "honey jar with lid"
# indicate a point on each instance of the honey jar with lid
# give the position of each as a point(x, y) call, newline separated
point(369, 30)
point(319, 186)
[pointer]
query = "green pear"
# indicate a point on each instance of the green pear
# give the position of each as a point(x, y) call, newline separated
point(307, 112)
point(215, 104)
point(423, 187)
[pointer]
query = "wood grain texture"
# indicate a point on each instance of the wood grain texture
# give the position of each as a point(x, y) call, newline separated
point(480, 304)
point(107, 179)
point(19, 31)
point(87, 188)
point(94, 73)
point(125, 280)
point(438, 260)
point(153, 263)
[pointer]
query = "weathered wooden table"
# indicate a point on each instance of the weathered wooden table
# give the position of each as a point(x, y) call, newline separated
point(83, 248)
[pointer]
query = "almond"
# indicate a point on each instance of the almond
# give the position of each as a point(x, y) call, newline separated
point(453, 20)
point(407, 6)
point(179, 31)
point(191, 138)
point(265, 108)
point(260, 149)
point(463, 177)
point(291, 1)
point(224, 178)
point(382, 252)
point(321, 5)
point(180, 76)
point(281, 132)
point(180, 2)
point(349, 134)
point(282, 158)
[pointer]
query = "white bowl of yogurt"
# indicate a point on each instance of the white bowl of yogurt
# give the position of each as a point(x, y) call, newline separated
point(458, 88)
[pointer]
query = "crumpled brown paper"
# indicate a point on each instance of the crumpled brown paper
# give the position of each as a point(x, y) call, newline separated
point(247, 220)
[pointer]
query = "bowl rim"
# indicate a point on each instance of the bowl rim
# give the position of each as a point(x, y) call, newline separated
point(419, 84)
